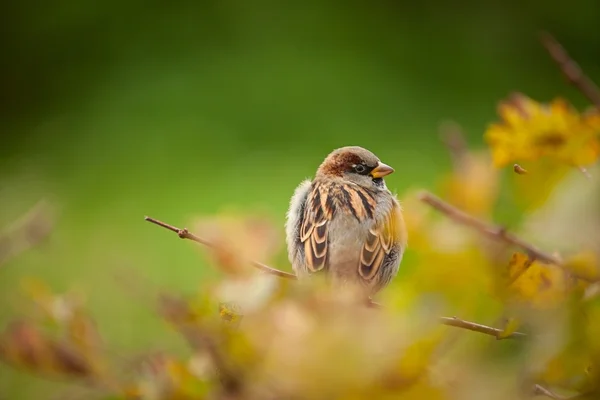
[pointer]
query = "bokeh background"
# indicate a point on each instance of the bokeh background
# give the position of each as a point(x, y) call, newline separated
point(118, 109)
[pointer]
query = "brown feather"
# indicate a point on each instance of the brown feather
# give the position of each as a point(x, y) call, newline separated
point(314, 229)
point(379, 243)
point(338, 163)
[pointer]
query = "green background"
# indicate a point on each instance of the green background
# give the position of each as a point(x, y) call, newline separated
point(119, 109)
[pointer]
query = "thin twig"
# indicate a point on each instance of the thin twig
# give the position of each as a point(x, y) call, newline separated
point(472, 326)
point(571, 69)
point(185, 234)
point(492, 231)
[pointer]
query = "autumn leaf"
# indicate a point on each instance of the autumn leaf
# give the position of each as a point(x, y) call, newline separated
point(518, 264)
point(584, 265)
point(535, 283)
point(510, 327)
point(529, 130)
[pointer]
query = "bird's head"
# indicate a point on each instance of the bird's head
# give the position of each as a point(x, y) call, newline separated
point(355, 164)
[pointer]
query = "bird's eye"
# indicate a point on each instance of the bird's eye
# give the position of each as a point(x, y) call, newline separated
point(360, 169)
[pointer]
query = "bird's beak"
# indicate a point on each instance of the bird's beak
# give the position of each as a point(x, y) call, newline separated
point(381, 170)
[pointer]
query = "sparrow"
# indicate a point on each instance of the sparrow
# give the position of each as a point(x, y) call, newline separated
point(346, 224)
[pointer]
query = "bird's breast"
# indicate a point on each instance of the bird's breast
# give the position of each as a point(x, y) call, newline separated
point(346, 238)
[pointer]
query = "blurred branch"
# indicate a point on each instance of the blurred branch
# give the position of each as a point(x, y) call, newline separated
point(585, 172)
point(571, 70)
point(492, 231)
point(185, 234)
point(472, 326)
point(542, 391)
point(26, 232)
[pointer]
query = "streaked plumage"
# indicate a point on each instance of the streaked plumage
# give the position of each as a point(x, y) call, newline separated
point(346, 223)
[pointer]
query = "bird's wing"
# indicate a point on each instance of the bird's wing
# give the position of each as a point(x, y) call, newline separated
point(318, 211)
point(293, 223)
point(381, 238)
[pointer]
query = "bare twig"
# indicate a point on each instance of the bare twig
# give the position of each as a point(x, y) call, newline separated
point(492, 231)
point(472, 326)
point(571, 70)
point(185, 234)
point(28, 231)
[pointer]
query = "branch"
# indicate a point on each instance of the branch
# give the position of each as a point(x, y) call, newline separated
point(492, 231)
point(571, 70)
point(450, 321)
point(185, 234)
point(472, 326)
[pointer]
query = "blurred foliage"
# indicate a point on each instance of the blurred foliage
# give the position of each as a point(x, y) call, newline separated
point(211, 112)
point(531, 131)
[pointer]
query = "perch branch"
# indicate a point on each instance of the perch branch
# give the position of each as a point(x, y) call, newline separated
point(492, 231)
point(472, 326)
point(450, 321)
point(570, 69)
point(185, 234)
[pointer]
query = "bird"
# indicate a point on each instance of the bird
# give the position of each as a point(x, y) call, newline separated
point(346, 224)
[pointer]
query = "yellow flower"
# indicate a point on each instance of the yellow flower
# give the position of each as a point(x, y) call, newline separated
point(529, 130)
